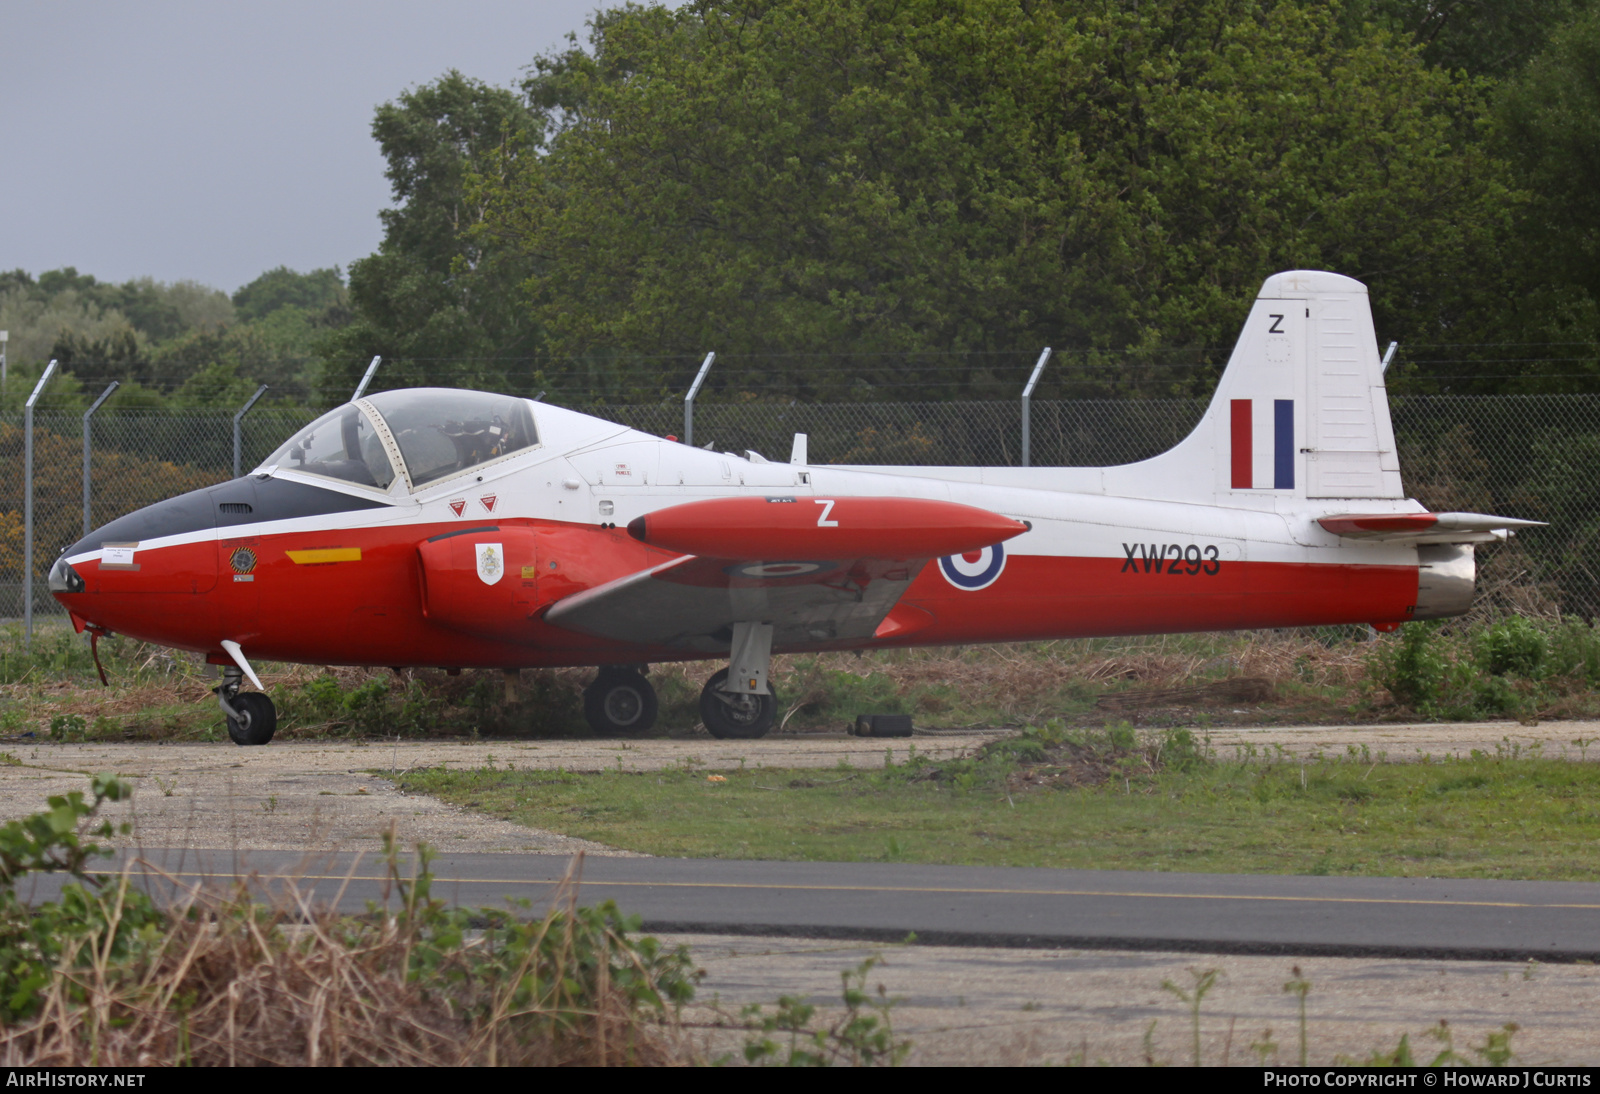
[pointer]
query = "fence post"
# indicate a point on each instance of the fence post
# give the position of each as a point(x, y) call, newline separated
point(1388, 355)
point(238, 431)
point(27, 506)
point(1027, 401)
point(688, 400)
point(365, 380)
point(87, 414)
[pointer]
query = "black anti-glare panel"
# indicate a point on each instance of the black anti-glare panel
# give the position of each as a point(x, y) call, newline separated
point(281, 499)
point(248, 501)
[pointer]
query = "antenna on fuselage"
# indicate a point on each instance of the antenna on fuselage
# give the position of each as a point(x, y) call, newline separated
point(361, 388)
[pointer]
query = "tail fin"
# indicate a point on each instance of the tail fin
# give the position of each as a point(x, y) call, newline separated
point(1300, 411)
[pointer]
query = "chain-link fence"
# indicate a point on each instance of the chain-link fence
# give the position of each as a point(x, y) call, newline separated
point(137, 457)
point(1085, 432)
point(1534, 456)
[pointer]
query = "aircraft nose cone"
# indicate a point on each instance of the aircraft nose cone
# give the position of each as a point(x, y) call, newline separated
point(191, 512)
point(64, 579)
point(84, 588)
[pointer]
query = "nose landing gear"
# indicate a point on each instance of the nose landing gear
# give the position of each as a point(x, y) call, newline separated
point(620, 702)
point(252, 719)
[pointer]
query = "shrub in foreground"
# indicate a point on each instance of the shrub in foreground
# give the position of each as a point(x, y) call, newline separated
point(1518, 666)
point(104, 977)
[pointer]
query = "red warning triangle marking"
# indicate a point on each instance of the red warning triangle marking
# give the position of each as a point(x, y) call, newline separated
point(458, 506)
point(487, 501)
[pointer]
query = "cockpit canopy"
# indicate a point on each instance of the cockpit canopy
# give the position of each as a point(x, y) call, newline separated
point(439, 432)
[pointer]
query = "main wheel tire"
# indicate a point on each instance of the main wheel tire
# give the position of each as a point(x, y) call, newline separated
point(258, 721)
point(731, 716)
point(620, 702)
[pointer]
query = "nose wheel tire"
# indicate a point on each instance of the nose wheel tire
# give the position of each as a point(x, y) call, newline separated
point(731, 716)
point(257, 721)
point(620, 702)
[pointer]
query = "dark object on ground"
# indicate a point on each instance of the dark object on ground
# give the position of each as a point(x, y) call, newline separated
point(882, 725)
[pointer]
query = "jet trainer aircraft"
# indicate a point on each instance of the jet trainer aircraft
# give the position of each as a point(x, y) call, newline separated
point(436, 527)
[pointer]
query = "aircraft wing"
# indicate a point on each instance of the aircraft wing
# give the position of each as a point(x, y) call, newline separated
point(817, 569)
point(1426, 527)
point(693, 602)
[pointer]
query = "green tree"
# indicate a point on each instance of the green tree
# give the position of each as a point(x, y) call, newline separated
point(156, 310)
point(311, 292)
point(1492, 38)
point(118, 355)
point(919, 182)
point(1551, 125)
point(441, 305)
point(100, 331)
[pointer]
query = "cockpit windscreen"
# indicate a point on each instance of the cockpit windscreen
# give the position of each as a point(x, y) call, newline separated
point(342, 444)
point(443, 431)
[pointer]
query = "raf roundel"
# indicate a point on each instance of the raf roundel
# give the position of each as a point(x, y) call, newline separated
point(974, 570)
point(775, 569)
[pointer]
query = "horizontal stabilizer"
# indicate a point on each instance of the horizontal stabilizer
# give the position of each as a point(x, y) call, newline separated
point(1426, 527)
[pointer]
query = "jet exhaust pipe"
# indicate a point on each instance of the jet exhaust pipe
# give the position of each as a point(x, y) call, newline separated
point(1445, 580)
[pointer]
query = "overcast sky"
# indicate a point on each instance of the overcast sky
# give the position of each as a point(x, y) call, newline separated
point(212, 140)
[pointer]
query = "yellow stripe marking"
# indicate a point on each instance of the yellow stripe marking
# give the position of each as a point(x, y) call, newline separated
point(326, 554)
point(920, 889)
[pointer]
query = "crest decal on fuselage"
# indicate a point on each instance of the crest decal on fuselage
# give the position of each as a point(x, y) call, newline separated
point(491, 562)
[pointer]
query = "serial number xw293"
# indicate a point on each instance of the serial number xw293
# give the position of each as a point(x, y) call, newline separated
point(1173, 559)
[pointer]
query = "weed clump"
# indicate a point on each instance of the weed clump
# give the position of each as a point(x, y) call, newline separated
point(1058, 756)
point(861, 1035)
point(105, 977)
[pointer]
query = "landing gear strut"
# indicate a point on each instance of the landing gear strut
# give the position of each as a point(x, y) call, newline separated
point(252, 719)
point(620, 702)
point(736, 702)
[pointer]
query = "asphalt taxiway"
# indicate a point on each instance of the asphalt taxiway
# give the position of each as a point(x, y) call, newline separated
point(963, 905)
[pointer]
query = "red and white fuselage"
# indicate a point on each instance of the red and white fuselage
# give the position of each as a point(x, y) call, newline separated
point(555, 538)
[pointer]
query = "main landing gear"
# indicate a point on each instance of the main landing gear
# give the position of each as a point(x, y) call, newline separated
point(620, 702)
point(730, 716)
point(252, 719)
point(736, 703)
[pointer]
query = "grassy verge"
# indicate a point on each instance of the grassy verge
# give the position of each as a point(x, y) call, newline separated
point(1515, 667)
point(1087, 799)
point(107, 977)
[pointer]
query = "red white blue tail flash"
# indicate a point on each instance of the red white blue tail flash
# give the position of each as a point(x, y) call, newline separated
point(1280, 443)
